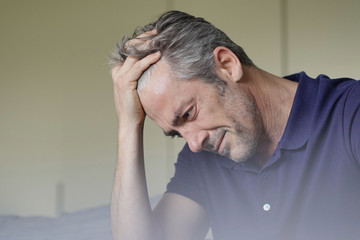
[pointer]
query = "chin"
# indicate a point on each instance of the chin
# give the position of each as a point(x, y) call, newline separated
point(241, 156)
point(239, 159)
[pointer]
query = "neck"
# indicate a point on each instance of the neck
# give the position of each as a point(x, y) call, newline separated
point(274, 97)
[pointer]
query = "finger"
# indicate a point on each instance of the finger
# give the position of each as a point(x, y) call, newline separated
point(135, 69)
point(123, 68)
point(141, 42)
point(140, 66)
point(144, 63)
point(129, 62)
point(147, 34)
point(142, 39)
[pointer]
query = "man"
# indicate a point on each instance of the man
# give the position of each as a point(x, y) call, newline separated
point(266, 157)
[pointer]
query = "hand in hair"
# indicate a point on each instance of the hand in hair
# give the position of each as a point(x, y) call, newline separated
point(125, 76)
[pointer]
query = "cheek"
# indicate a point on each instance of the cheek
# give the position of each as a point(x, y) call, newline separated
point(242, 106)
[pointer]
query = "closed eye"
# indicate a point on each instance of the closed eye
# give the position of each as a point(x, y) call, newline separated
point(173, 134)
point(187, 114)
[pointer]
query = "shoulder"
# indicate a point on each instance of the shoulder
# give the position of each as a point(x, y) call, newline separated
point(351, 121)
point(339, 105)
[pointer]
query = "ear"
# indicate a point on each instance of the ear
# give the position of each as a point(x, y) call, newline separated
point(227, 64)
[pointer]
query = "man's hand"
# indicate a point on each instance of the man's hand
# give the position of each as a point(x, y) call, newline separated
point(127, 104)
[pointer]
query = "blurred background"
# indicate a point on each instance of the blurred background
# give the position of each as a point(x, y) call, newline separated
point(57, 119)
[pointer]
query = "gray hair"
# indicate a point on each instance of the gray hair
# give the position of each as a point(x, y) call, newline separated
point(185, 42)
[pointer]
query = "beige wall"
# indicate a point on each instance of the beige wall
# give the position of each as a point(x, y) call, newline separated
point(324, 37)
point(57, 121)
point(57, 124)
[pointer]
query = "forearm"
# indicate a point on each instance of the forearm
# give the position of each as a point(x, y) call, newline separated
point(131, 214)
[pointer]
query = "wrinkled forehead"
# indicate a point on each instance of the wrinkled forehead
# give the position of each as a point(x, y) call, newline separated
point(157, 89)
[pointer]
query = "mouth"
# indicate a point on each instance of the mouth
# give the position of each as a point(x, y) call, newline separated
point(218, 144)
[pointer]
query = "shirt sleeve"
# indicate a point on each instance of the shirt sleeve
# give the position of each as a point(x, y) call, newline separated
point(352, 122)
point(185, 182)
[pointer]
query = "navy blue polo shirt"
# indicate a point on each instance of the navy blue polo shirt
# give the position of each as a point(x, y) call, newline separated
point(308, 189)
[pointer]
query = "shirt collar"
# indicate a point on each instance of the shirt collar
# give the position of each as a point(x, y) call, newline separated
point(298, 127)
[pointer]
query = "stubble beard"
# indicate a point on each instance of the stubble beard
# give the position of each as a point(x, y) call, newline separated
point(243, 148)
point(246, 144)
point(246, 138)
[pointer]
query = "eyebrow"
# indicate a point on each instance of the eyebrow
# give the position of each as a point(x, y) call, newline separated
point(176, 118)
point(174, 123)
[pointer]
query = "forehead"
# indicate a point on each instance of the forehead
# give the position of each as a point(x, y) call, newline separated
point(160, 77)
point(163, 94)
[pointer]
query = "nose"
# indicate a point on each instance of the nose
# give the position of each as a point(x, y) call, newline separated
point(195, 139)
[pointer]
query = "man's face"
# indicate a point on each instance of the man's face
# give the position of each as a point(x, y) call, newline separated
point(227, 124)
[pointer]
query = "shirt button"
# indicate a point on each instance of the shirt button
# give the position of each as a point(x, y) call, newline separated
point(266, 207)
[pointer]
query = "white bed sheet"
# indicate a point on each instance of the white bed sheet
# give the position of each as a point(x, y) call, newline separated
point(89, 224)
